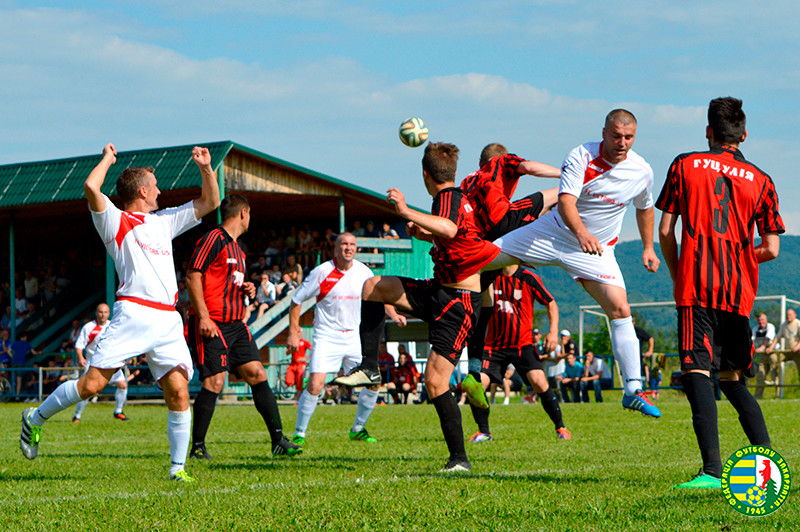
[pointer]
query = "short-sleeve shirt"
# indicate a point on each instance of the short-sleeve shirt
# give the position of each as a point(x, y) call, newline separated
point(457, 258)
point(598, 367)
point(721, 198)
point(573, 372)
point(604, 190)
point(299, 355)
point(338, 296)
point(87, 338)
point(511, 325)
point(141, 246)
point(790, 332)
point(763, 337)
point(222, 262)
point(490, 188)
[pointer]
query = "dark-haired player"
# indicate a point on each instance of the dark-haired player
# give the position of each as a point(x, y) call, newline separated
point(598, 182)
point(449, 302)
point(509, 340)
point(719, 197)
point(221, 342)
point(145, 319)
point(490, 189)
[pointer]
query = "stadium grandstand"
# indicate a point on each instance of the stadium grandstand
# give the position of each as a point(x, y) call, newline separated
point(48, 240)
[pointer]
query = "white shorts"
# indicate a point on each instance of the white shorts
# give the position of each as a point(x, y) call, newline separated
point(116, 378)
point(540, 244)
point(335, 350)
point(135, 330)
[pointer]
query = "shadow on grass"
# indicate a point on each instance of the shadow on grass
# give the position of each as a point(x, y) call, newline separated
point(544, 478)
point(101, 456)
point(316, 463)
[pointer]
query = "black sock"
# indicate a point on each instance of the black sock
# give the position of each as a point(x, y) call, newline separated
point(267, 406)
point(481, 417)
point(405, 397)
point(450, 419)
point(394, 395)
point(550, 405)
point(202, 412)
point(700, 393)
point(373, 318)
point(750, 415)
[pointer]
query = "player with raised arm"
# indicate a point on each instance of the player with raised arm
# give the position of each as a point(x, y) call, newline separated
point(720, 198)
point(509, 340)
point(598, 182)
point(145, 320)
point(84, 348)
point(449, 302)
point(337, 285)
point(221, 342)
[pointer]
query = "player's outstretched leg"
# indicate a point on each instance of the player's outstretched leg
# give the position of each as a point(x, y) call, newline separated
point(120, 398)
point(62, 398)
point(367, 398)
point(626, 351)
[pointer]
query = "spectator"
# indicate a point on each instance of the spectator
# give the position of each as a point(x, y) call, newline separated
point(357, 229)
point(31, 284)
point(404, 379)
point(286, 287)
point(21, 349)
point(294, 270)
point(20, 303)
point(275, 274)
point(388, 232)
point(49, 284)
point(370, 231)
point(789, 331)
point(571, 382)
point(266, 294)
point(595, 375)
point(554, 370)
point(645, 349)
point(386, 363)
point(257, 268)
point(5, 321)
point(75, 331)
point(290, 242)
point(763, 336)
point(274, 248)
point(328, 244)
point(5, 348)
point(567, 344)
point(63, 280)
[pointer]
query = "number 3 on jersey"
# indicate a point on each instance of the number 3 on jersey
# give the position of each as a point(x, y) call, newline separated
point(722, 188)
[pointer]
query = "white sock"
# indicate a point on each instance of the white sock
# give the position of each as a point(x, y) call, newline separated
point(120, 396)
point(62, 398)
point(366, 403)
point(627, 353)
point(305, 409)
point(79, 406)
point(179, 426)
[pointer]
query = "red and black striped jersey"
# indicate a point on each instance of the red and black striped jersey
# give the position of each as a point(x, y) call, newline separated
point(511, 326)
point(720, 197)
point(490, 189)
point(221, 261)
point(457, 258)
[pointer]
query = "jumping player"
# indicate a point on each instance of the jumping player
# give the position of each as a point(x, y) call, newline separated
point(145, 319)
point(449, 302)
point(598, 182)
point(337, 286)
point(84, 348)
point(219, 339)
point(509, 340)
point(719, 197)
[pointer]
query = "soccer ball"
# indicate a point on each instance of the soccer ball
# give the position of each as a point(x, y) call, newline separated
point(413, 132)
point(755, 496)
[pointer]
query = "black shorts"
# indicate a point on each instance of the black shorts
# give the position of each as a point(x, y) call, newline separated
point(232, 347)
point(714, 340)
point(496, 361)
point(520, 213)
point(449, 312)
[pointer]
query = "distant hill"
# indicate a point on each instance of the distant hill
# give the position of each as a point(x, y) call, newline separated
point(778, 277)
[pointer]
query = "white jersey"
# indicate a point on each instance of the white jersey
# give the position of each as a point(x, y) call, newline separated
point(604, 191)
point(87, 338)
point(141, 246)
point(338, 296)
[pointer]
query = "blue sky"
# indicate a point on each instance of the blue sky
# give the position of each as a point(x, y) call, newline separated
point(325, 84)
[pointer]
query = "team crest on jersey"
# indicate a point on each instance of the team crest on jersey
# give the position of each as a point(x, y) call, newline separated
point(517, 294)
point(756, 480)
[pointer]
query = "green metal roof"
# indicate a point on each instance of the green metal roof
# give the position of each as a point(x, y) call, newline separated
point(62, 179)
point(44, 182)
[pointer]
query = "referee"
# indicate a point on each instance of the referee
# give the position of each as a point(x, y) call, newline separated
point(219, 339)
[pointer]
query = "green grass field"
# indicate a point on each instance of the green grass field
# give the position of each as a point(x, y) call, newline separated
point(615, 474)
